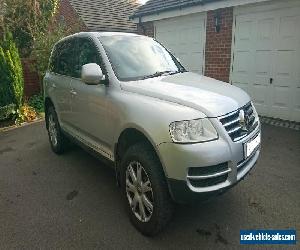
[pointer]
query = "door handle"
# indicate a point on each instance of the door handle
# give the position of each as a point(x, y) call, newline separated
point(271, 80)
point(73, 92)
point(53, 85)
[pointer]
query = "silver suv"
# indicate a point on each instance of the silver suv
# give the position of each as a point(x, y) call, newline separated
point(171, 135)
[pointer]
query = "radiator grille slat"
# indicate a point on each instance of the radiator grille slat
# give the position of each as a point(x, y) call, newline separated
point(231, 123)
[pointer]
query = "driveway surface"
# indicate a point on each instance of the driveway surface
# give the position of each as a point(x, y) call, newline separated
point(72, 202)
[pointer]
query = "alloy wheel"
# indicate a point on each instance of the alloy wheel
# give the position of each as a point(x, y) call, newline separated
point(139, 191)
point(52, 130)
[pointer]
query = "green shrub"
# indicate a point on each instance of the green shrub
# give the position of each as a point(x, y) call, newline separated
point(11, 73)
point(7, 111)
point(37, 102)
point(6, 90)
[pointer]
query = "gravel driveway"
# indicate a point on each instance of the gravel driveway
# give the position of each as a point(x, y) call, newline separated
point(71, 201)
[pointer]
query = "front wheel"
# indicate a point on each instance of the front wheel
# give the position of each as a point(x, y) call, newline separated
point(145, 190)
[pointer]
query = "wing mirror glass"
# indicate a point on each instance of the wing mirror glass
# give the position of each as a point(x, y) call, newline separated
point(91, 74)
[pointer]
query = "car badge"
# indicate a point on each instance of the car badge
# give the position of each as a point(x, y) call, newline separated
point(243, 120)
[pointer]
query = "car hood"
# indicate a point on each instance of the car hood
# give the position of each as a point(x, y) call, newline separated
point(212, 97)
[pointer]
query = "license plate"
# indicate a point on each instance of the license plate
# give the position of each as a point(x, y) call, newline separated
point(251, 145)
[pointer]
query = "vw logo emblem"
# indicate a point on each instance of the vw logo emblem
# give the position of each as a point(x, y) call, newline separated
point(244, 120)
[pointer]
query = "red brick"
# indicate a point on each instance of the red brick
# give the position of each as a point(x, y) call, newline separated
point(218, 45)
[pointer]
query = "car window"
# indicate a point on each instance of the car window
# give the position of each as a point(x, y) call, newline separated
point(53, 60)
point(65, 60)
point(87, 53)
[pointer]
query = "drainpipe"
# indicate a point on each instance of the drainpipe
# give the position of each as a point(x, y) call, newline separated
point(141, 25)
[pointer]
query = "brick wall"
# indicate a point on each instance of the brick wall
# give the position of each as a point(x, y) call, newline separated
point(31, 79)
point(218, 45)
point(146, 29)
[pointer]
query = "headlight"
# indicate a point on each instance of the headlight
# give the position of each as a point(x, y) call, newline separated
point(193, 131)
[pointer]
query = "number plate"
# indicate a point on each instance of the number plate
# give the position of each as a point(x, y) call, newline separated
point(251, 145)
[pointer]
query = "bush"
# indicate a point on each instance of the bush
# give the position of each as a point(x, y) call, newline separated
point(37, 102)
point(7, 111)
point(11, 80)
point(6, 90)
point(25, 114)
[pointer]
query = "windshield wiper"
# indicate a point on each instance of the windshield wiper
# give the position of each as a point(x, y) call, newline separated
point(160, 73)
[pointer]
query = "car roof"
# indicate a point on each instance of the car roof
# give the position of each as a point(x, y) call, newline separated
point(97, 35)
point(100, 34)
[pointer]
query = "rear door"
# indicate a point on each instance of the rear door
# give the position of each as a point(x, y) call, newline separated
point(62, 71)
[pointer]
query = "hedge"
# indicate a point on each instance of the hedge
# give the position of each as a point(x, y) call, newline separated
point(11, 73)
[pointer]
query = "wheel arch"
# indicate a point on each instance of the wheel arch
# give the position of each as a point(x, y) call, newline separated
point(130, 136)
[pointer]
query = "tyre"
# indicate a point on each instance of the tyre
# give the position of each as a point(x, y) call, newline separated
point(145, 190)
point(57, 139)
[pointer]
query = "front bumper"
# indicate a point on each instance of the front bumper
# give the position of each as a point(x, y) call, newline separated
point(224, 156)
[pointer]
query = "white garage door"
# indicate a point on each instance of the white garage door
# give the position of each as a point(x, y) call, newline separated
point(266, 59)
point(185, 38)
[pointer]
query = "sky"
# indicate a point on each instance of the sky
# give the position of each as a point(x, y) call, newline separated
point(143, 1)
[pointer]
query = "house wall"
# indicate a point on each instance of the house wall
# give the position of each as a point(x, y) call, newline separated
point(218, 45)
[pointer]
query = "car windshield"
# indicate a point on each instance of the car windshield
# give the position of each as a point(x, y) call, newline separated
point(138, 57)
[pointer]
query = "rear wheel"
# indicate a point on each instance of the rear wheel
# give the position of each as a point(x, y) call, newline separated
point(145, 190)
point(57, 139)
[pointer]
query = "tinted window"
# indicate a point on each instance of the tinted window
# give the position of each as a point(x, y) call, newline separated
point(65, 60)
point(87, 53)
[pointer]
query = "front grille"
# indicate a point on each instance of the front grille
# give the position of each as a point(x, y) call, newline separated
point(231, 122)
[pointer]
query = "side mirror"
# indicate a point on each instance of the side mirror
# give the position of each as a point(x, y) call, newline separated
point(91, 74)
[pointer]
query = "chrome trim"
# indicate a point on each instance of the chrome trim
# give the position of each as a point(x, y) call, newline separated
point(231, 122)
point(248, 108)
point(200, 177)
point(233, 130)
point(239, 138)
point(89, 143)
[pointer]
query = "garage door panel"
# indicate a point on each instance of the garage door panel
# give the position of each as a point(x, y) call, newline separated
point(260, 98)
point(244, 34)
point(188, 45)
point(241, 59)
point(194, 59)
point(284, 65)
point(265, 32)
point(263, 68)
point(266, 49)
point(288, 33)
point(280, 106)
